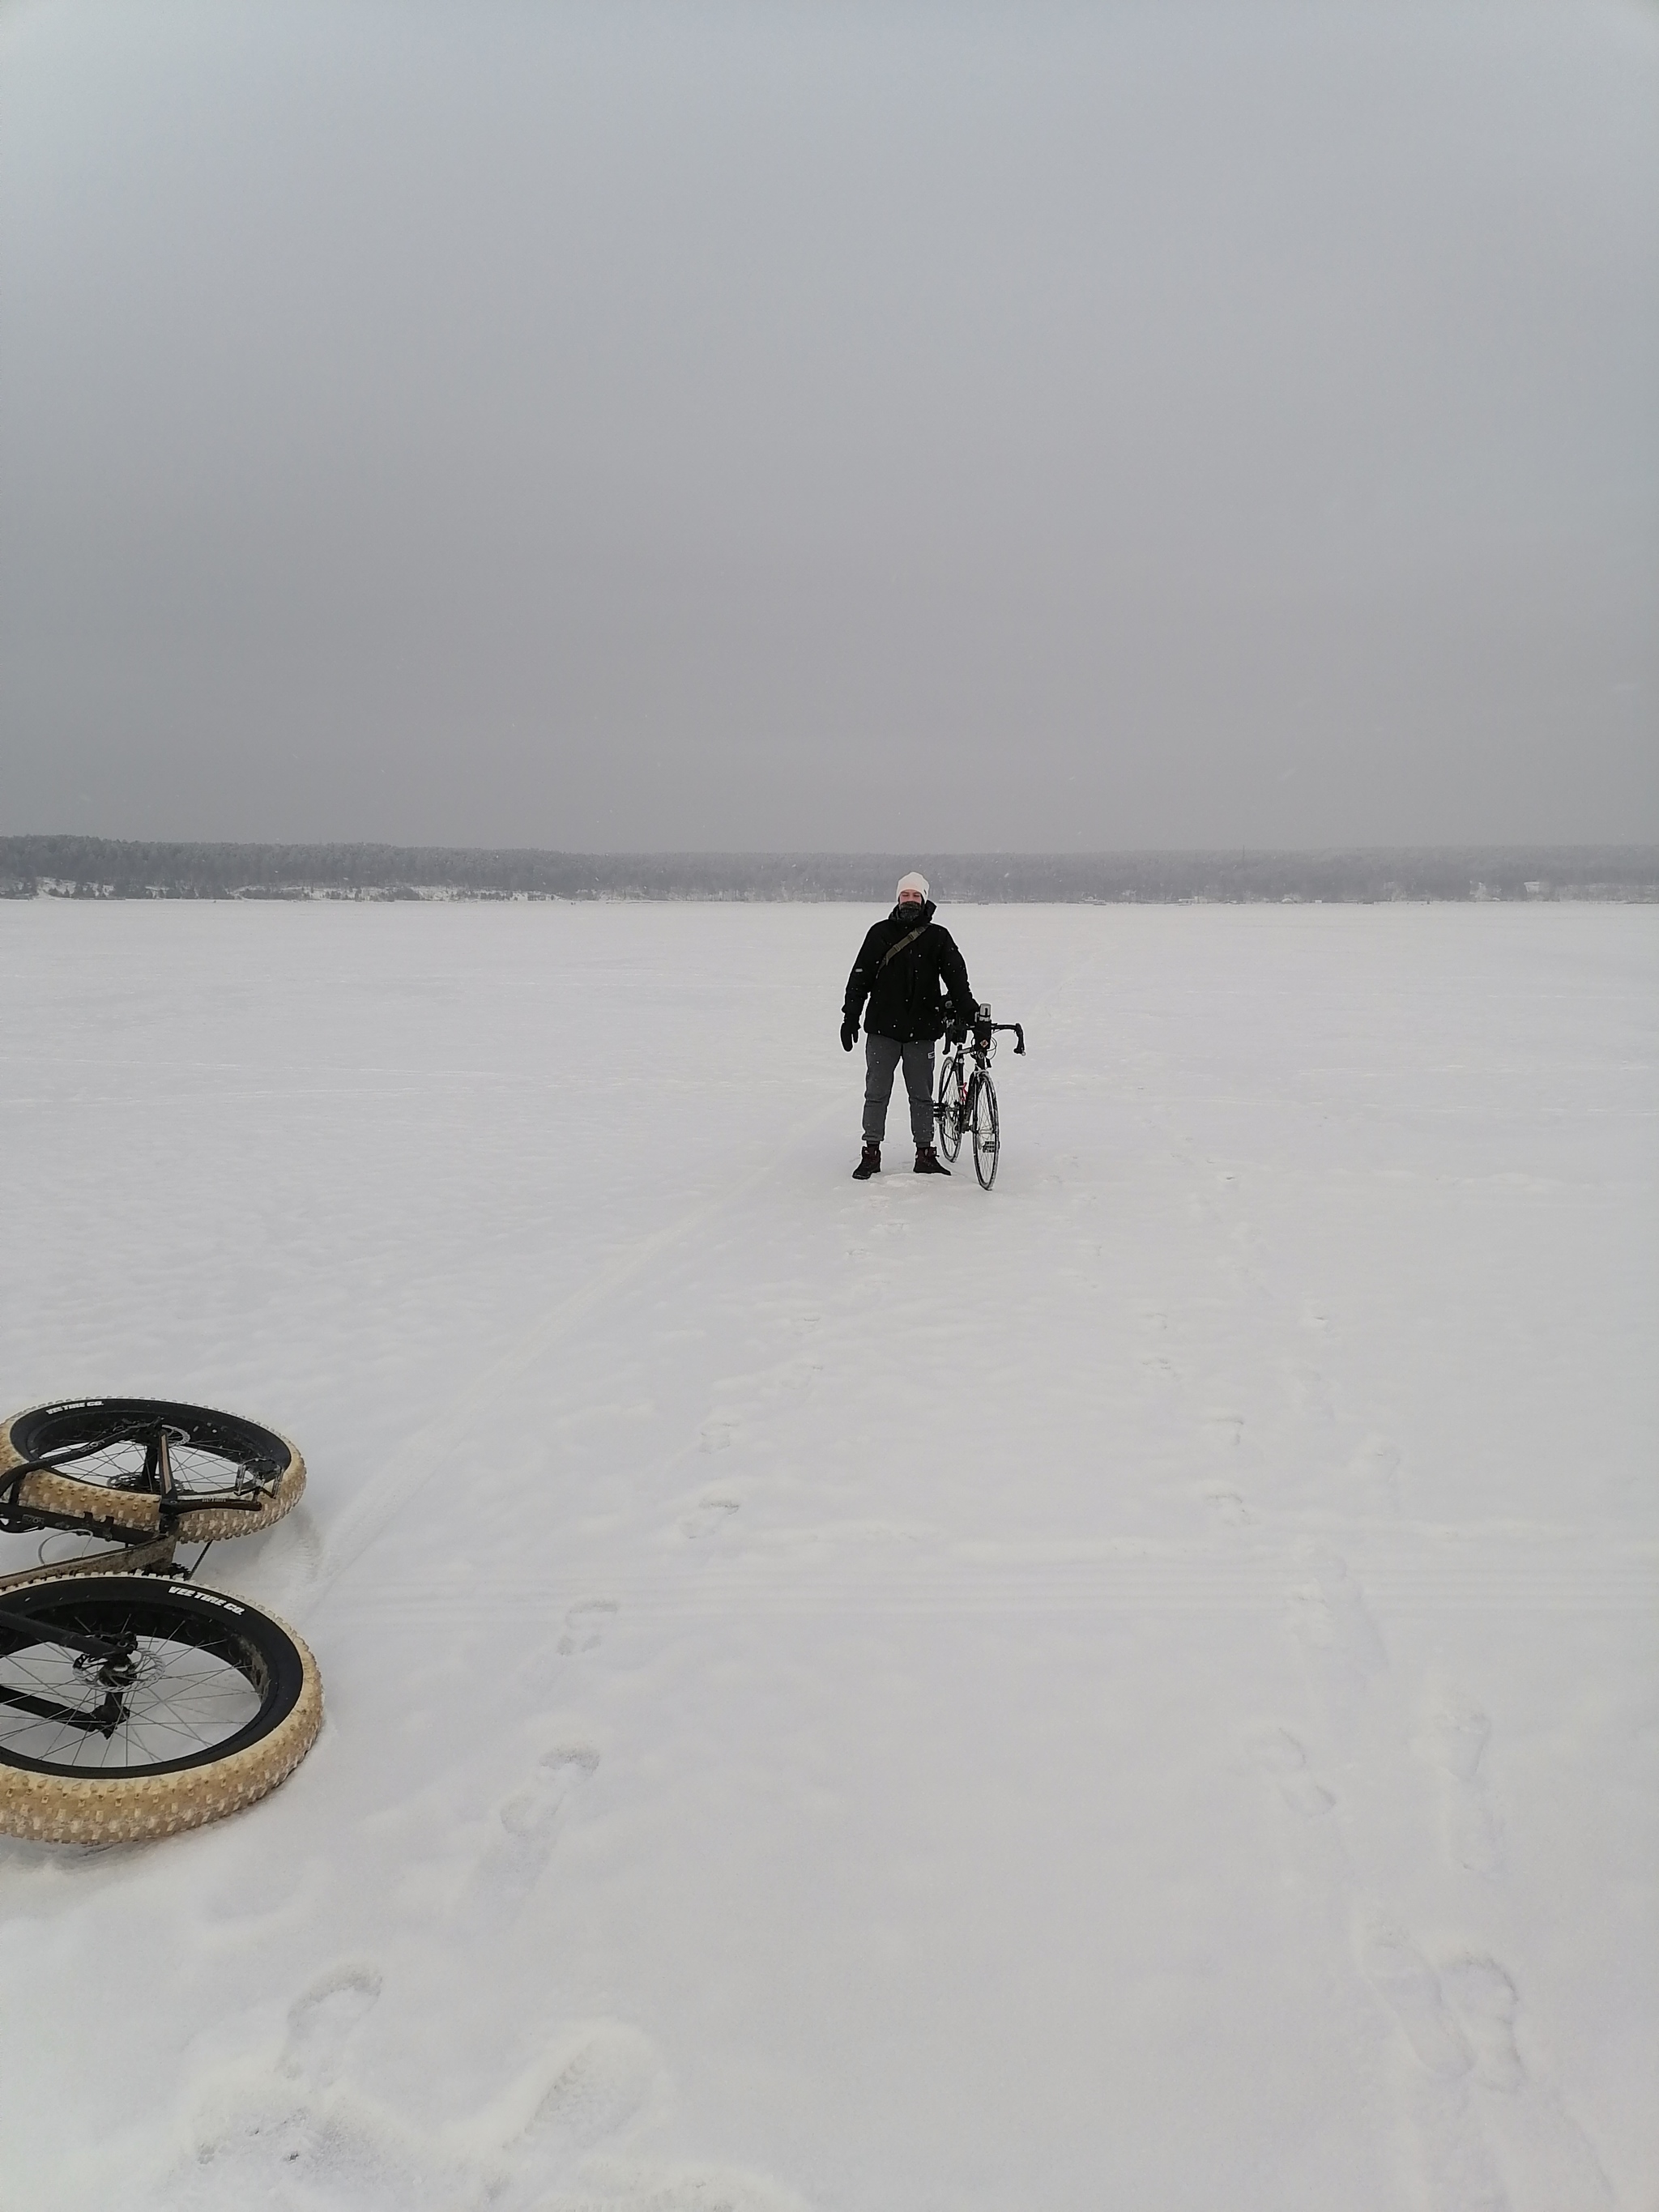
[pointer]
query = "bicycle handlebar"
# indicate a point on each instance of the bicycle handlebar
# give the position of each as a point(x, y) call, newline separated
point(990, 1029)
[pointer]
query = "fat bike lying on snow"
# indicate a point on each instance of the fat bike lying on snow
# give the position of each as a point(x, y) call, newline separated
point(133, 1703)
point(967, 1097)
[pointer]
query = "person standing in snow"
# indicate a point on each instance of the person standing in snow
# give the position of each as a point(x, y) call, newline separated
point(900, 967)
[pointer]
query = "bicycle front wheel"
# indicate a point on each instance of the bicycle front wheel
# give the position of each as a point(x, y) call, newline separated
point(952, 1098)
point(132, 1707)
point(988, 1136)
point(105, 1459)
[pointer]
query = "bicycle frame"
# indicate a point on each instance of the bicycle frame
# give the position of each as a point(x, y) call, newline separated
point(155, 1555)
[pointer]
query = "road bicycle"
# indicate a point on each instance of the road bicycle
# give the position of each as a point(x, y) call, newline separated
point(133, 1702)
point(967, 1097)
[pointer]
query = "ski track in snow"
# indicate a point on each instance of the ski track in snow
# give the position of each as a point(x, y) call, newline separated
point(641, 1647)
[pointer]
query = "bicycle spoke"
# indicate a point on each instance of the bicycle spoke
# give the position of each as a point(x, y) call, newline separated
point(183, 1699)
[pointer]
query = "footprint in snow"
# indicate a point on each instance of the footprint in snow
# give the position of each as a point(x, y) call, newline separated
point(708, 1518)
point(1455, 2168)
point(584, 1629)
point(322, 2022)
point(1280, 1754)
point(577, 2155)
point(1229, 1507)
point(1454, 1739)
point(585, 1625)
point(298, 2136)
point(1548, 2159)
point(298, 2133)
point(596, 2090)
point(1372, 1478)
point(1340, 1647)
point(525, 1828)
point(1485, 2000)
point(1410, 1988)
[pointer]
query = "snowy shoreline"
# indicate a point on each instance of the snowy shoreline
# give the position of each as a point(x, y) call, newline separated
point(94, 868)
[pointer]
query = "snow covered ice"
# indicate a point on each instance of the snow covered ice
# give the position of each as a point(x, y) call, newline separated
point(1135, 1690)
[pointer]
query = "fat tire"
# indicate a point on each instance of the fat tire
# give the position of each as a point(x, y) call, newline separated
point(133, 1514)
point(52, 1806)
point(988, 1148)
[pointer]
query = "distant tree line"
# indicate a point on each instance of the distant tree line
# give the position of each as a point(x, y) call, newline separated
point(104, 867)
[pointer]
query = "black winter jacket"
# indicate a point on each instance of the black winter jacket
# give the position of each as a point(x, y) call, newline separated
point(904, 995)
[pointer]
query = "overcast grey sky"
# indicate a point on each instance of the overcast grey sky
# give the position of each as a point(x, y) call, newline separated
point(840, 425)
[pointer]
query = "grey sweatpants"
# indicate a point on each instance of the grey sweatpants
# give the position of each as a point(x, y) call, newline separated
point(881, 1058)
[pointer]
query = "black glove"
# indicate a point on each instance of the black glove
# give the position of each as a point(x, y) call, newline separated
point(849, 1030)
point(956, 1033)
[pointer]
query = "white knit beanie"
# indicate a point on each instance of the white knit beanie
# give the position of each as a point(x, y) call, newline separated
point(913, 883)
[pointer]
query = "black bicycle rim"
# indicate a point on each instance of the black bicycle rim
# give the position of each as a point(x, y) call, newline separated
point(209, 1675)
point(108, 1442)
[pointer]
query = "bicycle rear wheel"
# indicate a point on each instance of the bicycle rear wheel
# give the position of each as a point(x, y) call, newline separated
point(229, 1477)
point(952, 1098)
point(131, 1706)
point(987, 1135)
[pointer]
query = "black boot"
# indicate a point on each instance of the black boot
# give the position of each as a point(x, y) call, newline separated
point(869, 1164)
point(928, 1162)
